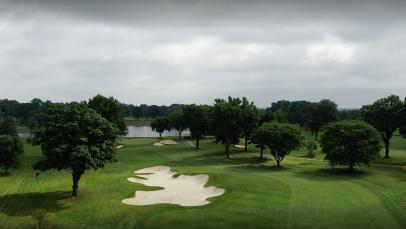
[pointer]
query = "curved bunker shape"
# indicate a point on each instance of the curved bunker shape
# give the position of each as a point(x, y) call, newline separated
point(183, 190)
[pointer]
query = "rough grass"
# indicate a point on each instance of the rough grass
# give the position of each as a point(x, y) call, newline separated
point(301, 194)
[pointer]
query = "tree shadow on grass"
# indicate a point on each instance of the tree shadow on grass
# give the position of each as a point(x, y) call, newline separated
point(23, 204)
point(332, 173)
point(215, 158)
point(260, 168)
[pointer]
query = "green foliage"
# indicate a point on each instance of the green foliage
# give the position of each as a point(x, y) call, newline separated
point(280, 138)
point(177, 121)
point(320, 114)
point(196, 118)
point(249, 119)
point(8, 126)
point(310, 146)
point(75, 138)
point(351, 143)
point(226, 117)
point(160, 124)
point(386, 116)
point(110, 109)
point(280, 116)
point(11, 150)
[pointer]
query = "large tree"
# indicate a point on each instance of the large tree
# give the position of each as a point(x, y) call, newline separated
point(160, 124)
point(11, 150)
point(280, 138)
point(8, 126)
point(177, 121)
point(385, 115)
point(75, 138)
point(110, 109)
point(321, 114)
point(350, 142)
point(249, 119)
point(226, 116)
point(197, 120)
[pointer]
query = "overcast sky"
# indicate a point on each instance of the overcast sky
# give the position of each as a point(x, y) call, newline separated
point(163, 52)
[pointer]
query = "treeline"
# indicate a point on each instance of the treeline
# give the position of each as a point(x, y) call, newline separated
point(149, 111)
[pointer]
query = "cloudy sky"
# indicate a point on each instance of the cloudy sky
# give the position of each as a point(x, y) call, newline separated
point(185, 51)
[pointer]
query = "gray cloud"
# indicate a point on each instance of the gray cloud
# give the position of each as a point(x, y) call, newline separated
point(161, 52)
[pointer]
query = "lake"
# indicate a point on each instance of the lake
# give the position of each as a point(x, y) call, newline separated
point(137, 131)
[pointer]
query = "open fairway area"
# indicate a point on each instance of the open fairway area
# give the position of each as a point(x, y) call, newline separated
point(301, 194)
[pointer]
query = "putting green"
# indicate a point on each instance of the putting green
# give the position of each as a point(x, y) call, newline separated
point(302, 194)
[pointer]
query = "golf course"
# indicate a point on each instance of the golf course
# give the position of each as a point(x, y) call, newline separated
point(301, 194)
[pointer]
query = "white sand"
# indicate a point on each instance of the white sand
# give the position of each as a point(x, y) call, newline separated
point(183, 190)
point(157, 144)
point(119, 146)
point(191, 143)
point(239, 146)
point(168, 142)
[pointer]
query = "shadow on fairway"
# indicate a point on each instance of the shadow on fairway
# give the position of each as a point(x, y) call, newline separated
point(260, 168)
point(332, 173)
point(23, 204)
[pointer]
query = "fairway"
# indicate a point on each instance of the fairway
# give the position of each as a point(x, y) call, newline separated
point(302, 194)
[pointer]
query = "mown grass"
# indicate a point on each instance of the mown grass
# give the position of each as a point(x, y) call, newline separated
point(302, 194)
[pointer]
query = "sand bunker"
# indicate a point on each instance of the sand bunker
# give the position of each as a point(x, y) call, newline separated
point(183, 190)
point(239, 146)
point(157, 144)
point(119, 146)
point(168, 142)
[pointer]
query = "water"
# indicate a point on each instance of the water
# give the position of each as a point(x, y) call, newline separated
point(146, 131)
point(137, 131)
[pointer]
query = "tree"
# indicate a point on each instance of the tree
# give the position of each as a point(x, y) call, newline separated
point(298, 112)
point(11, 149)
point(160, 124)
point(321, 114)
point(8, 126)
point(226, 116)
point(310, 146)
point(197, 120)
point(385, 115)
point(260, 138)
point(110, 109)
point(280, 138)
point(177, 121)
point(75, 138)
point(350, 142)
point(249, 119)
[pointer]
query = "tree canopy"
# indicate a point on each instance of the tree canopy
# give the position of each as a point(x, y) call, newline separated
point(11, 150)
point(75, 138)
point(160, 124)
point(8, 126)
point(280, 138)
point(350, 142)
point(196, 118)
point(177, 121)
point(249, 119)
point(386, 116)
point(110, 109)
point(226, 118)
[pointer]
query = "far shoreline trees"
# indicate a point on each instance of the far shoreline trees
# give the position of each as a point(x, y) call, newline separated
point(197, 120)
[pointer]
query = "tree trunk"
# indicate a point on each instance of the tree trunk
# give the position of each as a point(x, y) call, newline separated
point(278, 163)
point(197, 143)
point(180, 135)
point(386, 141)
point(6, 170)
point(75, 178)
point(160, 135)
point(316, 135)
point(351, 166)
point(262, 152)
point(246, 145)
point(227, 150)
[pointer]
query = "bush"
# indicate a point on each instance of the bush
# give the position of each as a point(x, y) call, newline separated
point(311, 146)
point(29, 140)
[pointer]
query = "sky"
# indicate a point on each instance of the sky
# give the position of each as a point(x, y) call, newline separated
point(187, 51)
